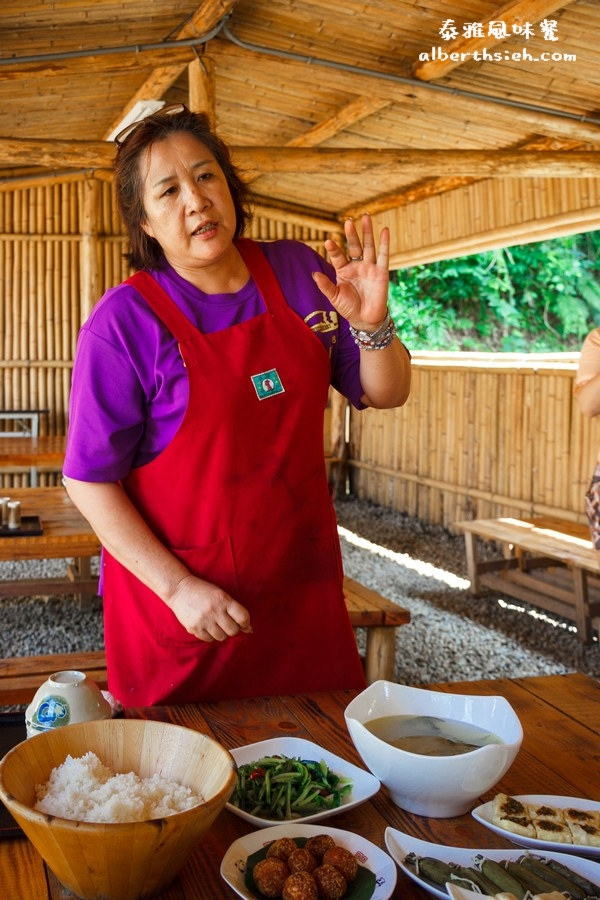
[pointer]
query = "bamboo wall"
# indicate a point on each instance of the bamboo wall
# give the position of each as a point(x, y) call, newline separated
point(41, 262)
point(488, 214)
point(481, 436)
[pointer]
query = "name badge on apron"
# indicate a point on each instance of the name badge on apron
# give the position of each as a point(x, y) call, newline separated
point(267, 384)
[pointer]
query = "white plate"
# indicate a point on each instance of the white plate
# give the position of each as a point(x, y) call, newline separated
point(233, 865)
point(364, 785)
point(459, 893)
point(400, 844)
point(483, 814)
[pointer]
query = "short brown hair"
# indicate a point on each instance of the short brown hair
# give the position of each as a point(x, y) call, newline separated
point(145, 252)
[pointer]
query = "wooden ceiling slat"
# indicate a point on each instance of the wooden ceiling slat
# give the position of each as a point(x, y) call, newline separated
point(457, 108)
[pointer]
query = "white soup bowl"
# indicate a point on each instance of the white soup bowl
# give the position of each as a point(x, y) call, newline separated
point(436, 786)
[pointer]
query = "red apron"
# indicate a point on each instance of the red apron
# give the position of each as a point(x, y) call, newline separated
point(240, 495)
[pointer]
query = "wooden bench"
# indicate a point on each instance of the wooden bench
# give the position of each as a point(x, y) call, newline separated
point(20, 676)
point(546, 561)
point(380, 617)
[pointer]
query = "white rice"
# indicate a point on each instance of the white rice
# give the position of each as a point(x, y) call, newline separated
point(84, 789)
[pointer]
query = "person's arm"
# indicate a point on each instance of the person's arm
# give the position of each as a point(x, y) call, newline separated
point(386, 376)
point(203, 609)
point(360, 296)
point(588, 396)
point(587, 380)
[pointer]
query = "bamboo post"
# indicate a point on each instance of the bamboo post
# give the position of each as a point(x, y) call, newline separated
point(90, 281)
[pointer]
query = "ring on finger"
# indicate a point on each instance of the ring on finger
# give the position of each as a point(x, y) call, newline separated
point(355, 258)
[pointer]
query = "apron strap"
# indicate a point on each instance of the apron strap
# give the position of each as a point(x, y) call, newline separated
point(167, 311)
point(263, 274)
point(178, 323)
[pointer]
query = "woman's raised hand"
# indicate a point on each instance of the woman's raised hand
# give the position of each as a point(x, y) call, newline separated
point(361, 292)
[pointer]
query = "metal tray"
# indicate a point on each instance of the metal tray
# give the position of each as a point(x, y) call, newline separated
point(30, 525)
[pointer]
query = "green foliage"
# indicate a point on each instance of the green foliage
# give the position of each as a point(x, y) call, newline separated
point(541, 297)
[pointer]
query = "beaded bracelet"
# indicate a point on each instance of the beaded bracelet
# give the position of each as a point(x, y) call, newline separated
point(375, 340)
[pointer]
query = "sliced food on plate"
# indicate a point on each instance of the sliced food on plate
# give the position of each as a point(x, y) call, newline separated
point(513, 815)
point(584, 826)
point(547, 822)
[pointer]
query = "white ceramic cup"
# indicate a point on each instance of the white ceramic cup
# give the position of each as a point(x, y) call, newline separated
point(64, 698)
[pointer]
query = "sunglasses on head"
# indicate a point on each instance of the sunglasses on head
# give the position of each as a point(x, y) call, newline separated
point(126, 133)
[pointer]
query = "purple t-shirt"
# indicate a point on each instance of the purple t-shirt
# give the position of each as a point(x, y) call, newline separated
point(129, 391)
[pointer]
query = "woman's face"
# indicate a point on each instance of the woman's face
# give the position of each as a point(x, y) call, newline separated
point(187, 203)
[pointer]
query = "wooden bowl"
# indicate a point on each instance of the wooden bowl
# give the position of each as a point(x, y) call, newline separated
point(124, 860)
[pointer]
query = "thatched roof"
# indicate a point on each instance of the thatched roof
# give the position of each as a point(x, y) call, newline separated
point(332, 108)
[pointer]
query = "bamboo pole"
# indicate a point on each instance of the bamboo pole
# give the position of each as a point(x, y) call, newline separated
point(90, 280)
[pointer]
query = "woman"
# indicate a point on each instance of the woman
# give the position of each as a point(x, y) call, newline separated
point(195, 444)
point(587, 393)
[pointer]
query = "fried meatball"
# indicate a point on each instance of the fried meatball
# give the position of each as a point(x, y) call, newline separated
point(300, 886)
point(331, 884)
point(318, 844)
point(281, 848)
point(301, 860)
point(269, 876)
point(343, 860)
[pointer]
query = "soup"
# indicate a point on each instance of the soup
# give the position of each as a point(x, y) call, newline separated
point(429, 735)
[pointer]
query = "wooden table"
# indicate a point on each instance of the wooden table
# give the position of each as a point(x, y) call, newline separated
point(545, 561)
point(43, 450)
point(66, 534)
point(560, 715)
point(32, 452)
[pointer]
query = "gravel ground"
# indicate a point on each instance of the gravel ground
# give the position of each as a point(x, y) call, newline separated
point(451, 637)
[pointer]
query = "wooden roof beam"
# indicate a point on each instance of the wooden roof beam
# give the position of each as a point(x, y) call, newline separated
point(352, 112)
point(201, 88)
point(419, 163)
point(206, 17)
point(434, 187)
point(293, 214)
point(461, 49)
point(331, 161)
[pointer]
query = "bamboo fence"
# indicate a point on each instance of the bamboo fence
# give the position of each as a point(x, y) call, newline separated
point(481, 435)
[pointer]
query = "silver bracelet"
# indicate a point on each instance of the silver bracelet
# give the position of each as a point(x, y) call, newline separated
point(379, 339)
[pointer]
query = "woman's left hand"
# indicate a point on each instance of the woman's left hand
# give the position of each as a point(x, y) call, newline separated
point(361, 292)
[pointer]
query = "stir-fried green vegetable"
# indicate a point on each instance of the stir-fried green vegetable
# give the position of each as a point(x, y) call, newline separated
point(284, 788)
